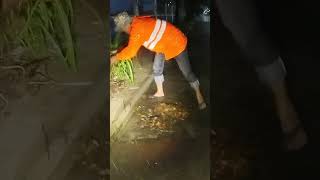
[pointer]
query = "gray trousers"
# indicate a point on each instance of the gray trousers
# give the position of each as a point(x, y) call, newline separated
point(240, 17)
point(184, 65)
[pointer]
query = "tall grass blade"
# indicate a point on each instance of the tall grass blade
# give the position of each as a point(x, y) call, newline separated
point(69, 47)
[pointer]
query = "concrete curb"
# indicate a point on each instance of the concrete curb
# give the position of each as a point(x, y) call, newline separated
point(124, 112)
point(64, 161)
point(121, 106)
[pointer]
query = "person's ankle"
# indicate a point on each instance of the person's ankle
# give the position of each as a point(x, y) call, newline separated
point(200, 99)
point(159, 94)
point(202, 105)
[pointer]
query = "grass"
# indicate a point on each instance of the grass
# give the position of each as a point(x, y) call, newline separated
point(44, 27)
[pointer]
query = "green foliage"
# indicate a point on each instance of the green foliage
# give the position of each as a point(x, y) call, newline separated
point(45, 28)
point(123, 70)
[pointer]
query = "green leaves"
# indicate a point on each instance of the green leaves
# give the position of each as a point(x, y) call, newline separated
point(123, 70)
point(68, 49)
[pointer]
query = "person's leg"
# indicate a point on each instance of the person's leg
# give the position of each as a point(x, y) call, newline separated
point(273, 76)
point(158, 66)
point(241, 18)
point(185, 67)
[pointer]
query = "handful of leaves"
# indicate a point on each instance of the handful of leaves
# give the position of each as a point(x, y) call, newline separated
point(121, 70)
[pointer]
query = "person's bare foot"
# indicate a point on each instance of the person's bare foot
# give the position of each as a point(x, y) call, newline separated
point(202, 105)
point(159, 94)
point(297, 140)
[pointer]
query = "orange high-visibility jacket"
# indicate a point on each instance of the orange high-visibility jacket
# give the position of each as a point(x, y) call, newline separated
point(156, 35)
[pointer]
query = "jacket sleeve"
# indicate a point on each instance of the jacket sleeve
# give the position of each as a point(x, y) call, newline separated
point(135, 42)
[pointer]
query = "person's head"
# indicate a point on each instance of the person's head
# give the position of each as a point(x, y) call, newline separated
point(122, 22)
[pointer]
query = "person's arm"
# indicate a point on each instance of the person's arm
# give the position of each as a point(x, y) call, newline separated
point(135, 42)
point(113, 59)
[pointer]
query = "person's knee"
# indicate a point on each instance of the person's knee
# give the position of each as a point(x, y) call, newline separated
point(272, 74)
point(195, 84)
point(157, 72)
point(158, 65)
point(157, 69)
point(191, 77)
point(159, 79)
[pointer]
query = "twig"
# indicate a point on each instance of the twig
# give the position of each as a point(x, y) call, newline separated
point(62, 84)
point(52, 81)
point(46, 139)
point(46, 71)
point(148, 163)
point(14, 67)
point(36, 61)
point(6, 102)
point(115, 165)
point(76, 84)
point(40, 82)
point(46, 76)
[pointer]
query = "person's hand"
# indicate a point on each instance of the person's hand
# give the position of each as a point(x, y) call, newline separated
point(113, 59)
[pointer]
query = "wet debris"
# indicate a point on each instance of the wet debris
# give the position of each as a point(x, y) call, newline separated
point(116, 86)
point(92, 152)
point(95, 142)
point(89, 148)
point(93, 166)
point(3, 102)
point(230, 161)
point(161, 116)
point(104, 172)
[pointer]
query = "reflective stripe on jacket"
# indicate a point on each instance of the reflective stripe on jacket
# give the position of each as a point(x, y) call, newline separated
point(156, 35)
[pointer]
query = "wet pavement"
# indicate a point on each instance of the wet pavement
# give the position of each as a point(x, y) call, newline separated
point(181, 153)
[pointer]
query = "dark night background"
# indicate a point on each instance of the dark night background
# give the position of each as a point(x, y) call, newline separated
point(294, 27)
